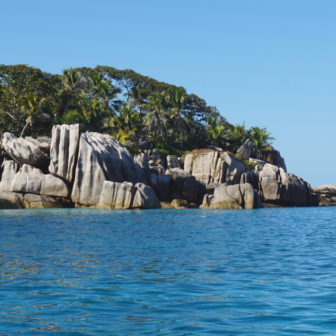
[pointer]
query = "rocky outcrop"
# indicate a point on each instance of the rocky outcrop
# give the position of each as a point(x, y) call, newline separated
point(162, 185)
point(145, 198)
point(116, 195)
point(273, 157)
point(211, 166)
point(275, 185)
point(237, 196)
point(33, 201)
point(23, 151)
point(10, 168)
point(245, 149)
point(11, 200)
point(32, 181)
point(172, 162)
point(63, 151)
point(100, 158)
point(180, 204)
point(142, 167)
point(326, 189)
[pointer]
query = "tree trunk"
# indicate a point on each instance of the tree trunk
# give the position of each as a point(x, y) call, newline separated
point(24, 128)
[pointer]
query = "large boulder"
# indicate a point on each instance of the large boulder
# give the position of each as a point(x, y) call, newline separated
point(237, 196)
point(276, 186)
point(143, 172)
point(100, 158)
point(145, 198)
point(63, 151)
point(245, 149)
point(23, 151)
point(172, 162)
point(212, 166)
point(273, 157)
point(116, 195)
point(11, 200)
point(162, 185)
point(33, 201)
point(31, 180)
point(10, 168)
point(326, 189)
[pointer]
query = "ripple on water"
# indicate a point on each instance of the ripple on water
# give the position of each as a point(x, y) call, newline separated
point(168, 272)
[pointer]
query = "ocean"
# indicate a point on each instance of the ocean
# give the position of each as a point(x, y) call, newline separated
point(168, 272)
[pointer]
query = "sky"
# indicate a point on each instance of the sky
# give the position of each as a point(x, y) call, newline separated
point(266, 63)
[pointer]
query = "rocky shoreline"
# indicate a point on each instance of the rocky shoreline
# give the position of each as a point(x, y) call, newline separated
point(93, 170)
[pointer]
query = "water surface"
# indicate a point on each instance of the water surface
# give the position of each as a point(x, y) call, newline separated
point(168, 272)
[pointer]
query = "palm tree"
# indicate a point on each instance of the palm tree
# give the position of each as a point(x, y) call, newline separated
point(215, 132)
point(32, 107)
point(177, 102)
point(237, 135)
point(156, 108)
point(138, 97)
point(96, 115)
point(260, 139)
point(73, 83)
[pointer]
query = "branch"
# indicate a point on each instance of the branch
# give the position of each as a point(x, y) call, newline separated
point(7, 113)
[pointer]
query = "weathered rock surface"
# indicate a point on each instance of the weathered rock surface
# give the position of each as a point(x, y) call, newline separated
point(237, 196)
point(180, 203)
point(10, 168)
point(278, 186)
point(273, 157)
point(100, 158)
point(22, 150)
point(116, 195)
point(326, 189)
point(11, 200)
point(162, 185)
point(33, 201)
point(166, 205)
point(245, 149)
point(63, 151)
point(145, 197)
point(172, 162)
point(141, 161)
point(214, 167)
point(31, 180)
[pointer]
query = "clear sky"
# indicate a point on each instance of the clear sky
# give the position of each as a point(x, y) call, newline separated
point(266, 63)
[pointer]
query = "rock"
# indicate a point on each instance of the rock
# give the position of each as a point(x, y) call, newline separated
point(214, 167)
point(142, 162)
point(325, 189)
point(172, 162)
point(210, 188)
point(259, 162)
point(252, 177)
point(166, 205)
point(245, 149)
point(206, 201)
point(32, 201)
point(151, 162)
point(31, 180)
point(178, 203)
point(143, 143)
point(216, 148)
point(63, 151)
point(193, 206)
point(162, 185)
point(100, 158)
point(45, 147)
point(158, 169)
point(116, 195)
point(23, 151)
point(273, 157)
point(145, 197)
point(237, 196)
point(44, 139)
point(277, 186)
point(325, 200)
point(10, 168)
point(11, 200)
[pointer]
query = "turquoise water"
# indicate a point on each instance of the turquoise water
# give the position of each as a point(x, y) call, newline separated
point(168, 272)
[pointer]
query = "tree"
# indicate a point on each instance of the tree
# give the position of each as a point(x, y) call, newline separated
point(260, 139)
point(236, 136)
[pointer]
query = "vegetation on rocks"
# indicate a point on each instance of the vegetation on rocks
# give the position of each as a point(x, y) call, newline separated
point(137, 110)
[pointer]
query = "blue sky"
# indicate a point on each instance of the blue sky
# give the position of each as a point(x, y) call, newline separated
point(266, 63)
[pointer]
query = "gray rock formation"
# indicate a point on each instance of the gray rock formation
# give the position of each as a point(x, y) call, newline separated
point(23, 151)
point(145, 198)
point(10, 168)
point(245, 149)
point(11, 200)
point(100, 158)
point(326, 189)
point(172, 162)
point(277, 186)
point(63, 151)
point(214, 167)
point(141, 161)
point(31, 180)
point(273, 157)
point(33, 201)
point(116, 195)
point(237, 196)
point(162, 185)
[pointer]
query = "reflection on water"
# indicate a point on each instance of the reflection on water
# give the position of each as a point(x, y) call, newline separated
point(168, 272)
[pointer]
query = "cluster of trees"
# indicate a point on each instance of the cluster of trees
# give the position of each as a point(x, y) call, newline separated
point(123, 103)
